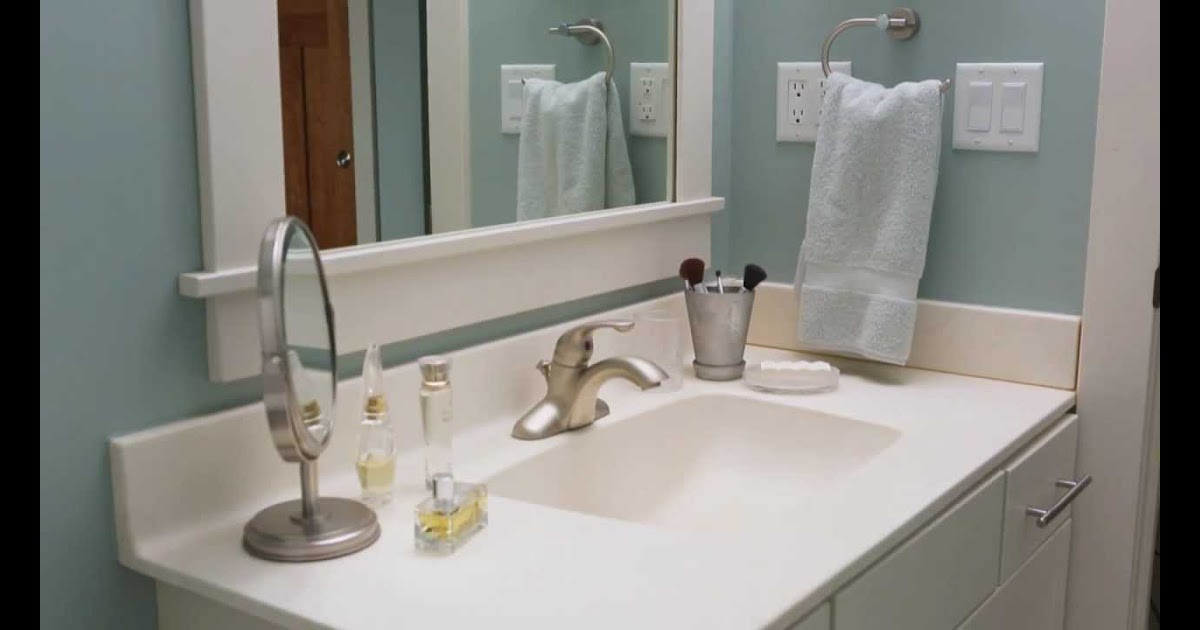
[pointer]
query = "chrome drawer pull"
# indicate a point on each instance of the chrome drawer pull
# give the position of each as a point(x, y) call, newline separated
point(1076, 487)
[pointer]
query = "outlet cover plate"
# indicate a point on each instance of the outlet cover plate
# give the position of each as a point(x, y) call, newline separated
point(806, 105)
point(512, 93)
point(650, 114)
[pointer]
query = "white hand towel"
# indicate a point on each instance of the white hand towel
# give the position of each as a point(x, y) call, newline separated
point(874, 173)
point(572, 155)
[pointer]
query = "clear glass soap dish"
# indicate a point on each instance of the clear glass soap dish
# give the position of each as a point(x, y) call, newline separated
point(777, 381)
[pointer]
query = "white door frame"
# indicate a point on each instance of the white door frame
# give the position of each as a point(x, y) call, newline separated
point(449, 89)
point(1112, 532)
point(362, 101)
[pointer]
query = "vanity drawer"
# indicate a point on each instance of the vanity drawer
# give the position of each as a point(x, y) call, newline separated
point(937, 577)
point(1036, 596)
point(1032, 477)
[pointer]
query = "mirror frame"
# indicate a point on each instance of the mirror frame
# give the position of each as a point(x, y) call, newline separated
point(285, 416)
point(402, 289)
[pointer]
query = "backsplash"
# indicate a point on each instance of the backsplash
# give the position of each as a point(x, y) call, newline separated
point(1009, 229)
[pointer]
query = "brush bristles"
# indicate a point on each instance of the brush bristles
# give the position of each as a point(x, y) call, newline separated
point(752, 276)
point(692, 270)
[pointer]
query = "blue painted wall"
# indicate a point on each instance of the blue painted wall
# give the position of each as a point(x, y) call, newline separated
point(1008, 229)
point(120, 349)
point(400, 175)
point(514, 32)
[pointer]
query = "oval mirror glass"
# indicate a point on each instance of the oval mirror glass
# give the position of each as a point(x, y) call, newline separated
point(309, 341)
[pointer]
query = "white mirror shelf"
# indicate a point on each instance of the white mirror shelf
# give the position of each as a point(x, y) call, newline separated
point(396, 290)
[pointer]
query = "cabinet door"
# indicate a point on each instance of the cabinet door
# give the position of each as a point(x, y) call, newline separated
point(1031, 483)
point(936, 578)
point(1035, 597)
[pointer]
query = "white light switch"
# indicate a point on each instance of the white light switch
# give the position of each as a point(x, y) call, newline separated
point(799, 98)
point(979, 107)
point(512, 92)
point(650, 111)
point(1012, 107)
point(997, 106)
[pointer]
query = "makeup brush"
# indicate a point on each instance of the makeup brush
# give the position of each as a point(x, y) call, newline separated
point(692, 272)
point(752, 275)
point(720, 287)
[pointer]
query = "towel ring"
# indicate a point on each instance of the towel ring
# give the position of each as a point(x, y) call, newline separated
point(589, 31)
point(901, 24)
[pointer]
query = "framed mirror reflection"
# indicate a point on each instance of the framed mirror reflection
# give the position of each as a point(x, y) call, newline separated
point(405, 118)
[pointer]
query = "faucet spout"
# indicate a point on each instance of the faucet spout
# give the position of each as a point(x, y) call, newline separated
point(639, 371)
point(571, 384)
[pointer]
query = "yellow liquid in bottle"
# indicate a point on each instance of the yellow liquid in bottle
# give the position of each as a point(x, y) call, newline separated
point(445, 525)
point(376, 473)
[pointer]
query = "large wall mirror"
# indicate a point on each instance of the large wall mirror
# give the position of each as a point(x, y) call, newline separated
point(359, 89)
point(457, 160)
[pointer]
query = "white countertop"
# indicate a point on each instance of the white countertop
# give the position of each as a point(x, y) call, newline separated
point(539, 567)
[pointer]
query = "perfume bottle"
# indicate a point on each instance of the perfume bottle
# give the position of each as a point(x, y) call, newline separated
point(376, 462)
point(437, 416)
point(448, 518)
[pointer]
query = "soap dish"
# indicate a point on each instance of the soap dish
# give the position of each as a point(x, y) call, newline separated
point(790, 381)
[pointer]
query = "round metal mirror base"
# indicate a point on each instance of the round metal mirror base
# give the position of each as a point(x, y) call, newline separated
point(341, 527)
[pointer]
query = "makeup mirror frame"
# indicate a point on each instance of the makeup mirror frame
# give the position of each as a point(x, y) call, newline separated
point(396, 290)
point(311, 527)
point(285, 416)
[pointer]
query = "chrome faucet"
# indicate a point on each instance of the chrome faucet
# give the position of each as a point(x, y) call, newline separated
point(572, 384)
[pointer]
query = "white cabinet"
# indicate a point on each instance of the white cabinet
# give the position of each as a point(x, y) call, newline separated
point(936, 578)
point(983, 564)
point(1035, 597)
point(1031, 483)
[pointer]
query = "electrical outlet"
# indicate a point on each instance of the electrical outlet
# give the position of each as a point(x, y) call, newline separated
point(650, 109)
point(800, 93)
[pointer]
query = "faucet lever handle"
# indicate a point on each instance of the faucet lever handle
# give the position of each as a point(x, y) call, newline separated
point(543, 366)
point(574, 347)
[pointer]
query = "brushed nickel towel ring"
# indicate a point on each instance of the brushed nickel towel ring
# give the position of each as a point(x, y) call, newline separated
point(589, 31)
point(901, 24)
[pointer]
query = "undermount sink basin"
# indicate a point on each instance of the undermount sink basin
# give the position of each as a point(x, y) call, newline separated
point(701, 464)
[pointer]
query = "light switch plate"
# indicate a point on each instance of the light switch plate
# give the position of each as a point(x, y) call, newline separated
point(512, 92)
point(1011, 126)
point(651, 100)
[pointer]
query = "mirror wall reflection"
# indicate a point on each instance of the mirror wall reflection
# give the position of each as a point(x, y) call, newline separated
point(539, 135)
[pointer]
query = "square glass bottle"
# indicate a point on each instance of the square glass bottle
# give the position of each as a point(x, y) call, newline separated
point(448, 518)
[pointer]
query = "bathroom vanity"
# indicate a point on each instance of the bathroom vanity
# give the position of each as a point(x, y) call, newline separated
point(896, 501)
point(907, 499)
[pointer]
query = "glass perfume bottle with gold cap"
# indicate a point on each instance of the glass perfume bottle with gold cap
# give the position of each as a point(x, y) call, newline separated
point(456, 510)
point(437, 415)
point(376, 461)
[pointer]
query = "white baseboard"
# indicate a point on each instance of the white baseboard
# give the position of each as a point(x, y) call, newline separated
point(991, 342)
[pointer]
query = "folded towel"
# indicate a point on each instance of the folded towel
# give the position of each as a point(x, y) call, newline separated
point(572, 155)
point(874, 173)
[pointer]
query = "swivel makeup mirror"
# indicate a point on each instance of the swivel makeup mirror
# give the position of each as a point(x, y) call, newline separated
point(299, 373)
